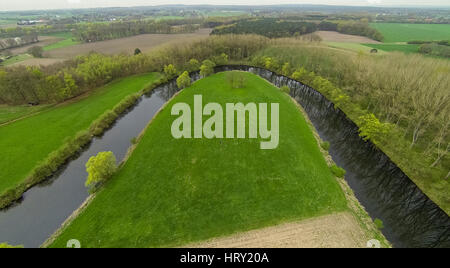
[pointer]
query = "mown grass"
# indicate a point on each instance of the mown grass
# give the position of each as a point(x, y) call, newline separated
point(395, 47)
point(404, 32)
point(9, 113)
point(26, 142)
point(355, 47)
point(171, 192)
point(67, 42)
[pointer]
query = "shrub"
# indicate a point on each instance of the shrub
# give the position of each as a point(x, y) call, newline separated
point(184, 80)
point(170, 70)
point(6, 245)
point(378, 223)
point(104, 121)
point(100, 168)
point(221, 60)
point(137, 51)
point(134, 140)
point(207, 68)
point(338, 171)
point(36, 51)
point(193, 65)
point(285, 89)
point(325, 145)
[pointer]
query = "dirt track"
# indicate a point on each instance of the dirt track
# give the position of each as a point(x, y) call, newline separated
point(331, 231)
point(145, 43)
point(329, 36)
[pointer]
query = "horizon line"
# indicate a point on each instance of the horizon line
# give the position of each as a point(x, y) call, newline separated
point(233, 5)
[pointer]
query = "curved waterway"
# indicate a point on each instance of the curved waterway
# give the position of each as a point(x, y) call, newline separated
point(410, 218)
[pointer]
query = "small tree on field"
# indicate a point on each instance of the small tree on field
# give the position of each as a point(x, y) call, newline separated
point(207, 68)
point(137, 51)
point(36, 51)
point(100, 168)
point(183, 80)
point(170, 70)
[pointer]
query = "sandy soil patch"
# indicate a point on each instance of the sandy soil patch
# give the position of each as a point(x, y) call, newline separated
point(329, 36)
point(339, 230)
point(145, 43)
point(38, 62)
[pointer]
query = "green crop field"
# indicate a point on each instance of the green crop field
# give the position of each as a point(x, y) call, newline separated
point(403, 32)
point(26, 142)
point(395, 47)
point(67, 42)
point(174, 191)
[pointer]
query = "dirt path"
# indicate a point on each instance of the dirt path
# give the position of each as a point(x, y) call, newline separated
point(339, 230)
point(329, 36)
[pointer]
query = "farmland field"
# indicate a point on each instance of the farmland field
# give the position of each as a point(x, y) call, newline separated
point(395, 47)
point(402, 32)
point(26, 142)
point(66, 42)
point(145, 43)
point(171, 192)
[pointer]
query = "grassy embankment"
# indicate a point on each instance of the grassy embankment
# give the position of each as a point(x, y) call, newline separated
point(396, 35)
point(396, 88)
point(171, 192)
point(28, 141)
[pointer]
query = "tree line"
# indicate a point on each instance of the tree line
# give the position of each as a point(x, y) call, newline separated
point(93, 32)
point(269, 27)
point(62, 81)
point(275, 28)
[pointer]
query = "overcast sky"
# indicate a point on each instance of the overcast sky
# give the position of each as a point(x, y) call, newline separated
point(6, 5)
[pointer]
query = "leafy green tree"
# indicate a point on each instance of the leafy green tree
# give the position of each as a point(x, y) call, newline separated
point(184, 80)
point(207, 68)
point(100, 168)
point(371, 128)
point(221, 60)
point(170, 70)
point(193, 65)
point(70, 87)
point(36, 51)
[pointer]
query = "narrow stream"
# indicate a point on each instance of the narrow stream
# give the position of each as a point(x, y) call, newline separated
point(411, 219)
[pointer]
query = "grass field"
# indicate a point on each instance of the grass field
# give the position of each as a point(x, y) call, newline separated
point(16, 59)
point(172, 192)
point(395, 47)
point(67, 42)
point(355, 47)
point(9, 113)
point(403, 32)
point(26, 142)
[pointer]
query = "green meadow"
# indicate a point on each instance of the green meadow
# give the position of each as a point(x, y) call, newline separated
point(404, 32)
point(26, 142)
point(171, 192)
point(66, 42)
